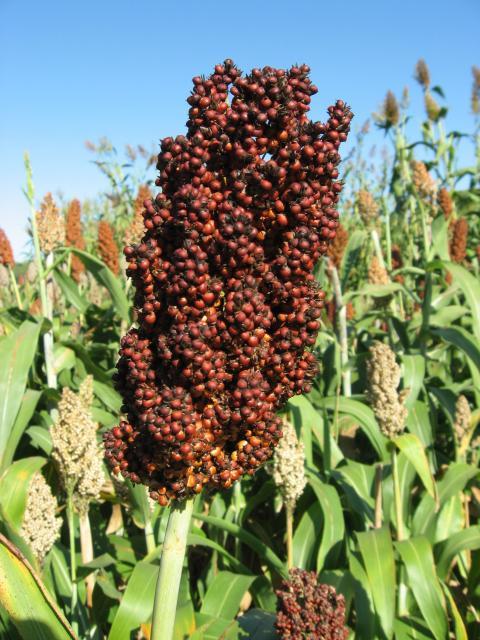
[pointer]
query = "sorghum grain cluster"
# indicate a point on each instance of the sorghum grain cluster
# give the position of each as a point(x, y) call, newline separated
point(227, 305)
point(306, 609)
point(107, 247)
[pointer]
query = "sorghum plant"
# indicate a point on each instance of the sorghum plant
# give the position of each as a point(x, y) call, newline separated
point(226, 301)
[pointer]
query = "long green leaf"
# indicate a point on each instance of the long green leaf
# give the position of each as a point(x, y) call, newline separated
point(413, 449)
point(305, 538)
point(26, 600)
point(455, 479)
point(27, 408)
point(195, 539)
point(16, 355)
point(14, 485)
point(413, 374)
point(137, 602)
point(446, 550)
point(462, 340)
point(333, 523)
point(261, 549)
point(377, 554)
point(225, 593)
point(365, 417)
point(417, 556)
point(104, 276)
point(70, 290)
point(471, 288)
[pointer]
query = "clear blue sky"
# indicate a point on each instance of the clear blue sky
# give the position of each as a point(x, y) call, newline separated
point(71, 71)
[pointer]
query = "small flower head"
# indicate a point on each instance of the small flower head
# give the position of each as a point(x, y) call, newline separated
point(422, 74)
point(377, 274)
point(338, 246)
point(41, 527)
point(432, 108)
point(6, 253)
point(462, 424)
point(74, 236)
point(135, 230)
point(476, 90)
point(389, 115)
point(306, 609)
point(107, 247)
point(289, 466)
point(445, 202)
point(75, 449)
point(50, 225)
point(423, 181)
point(458, 240)
point(367, 207)
point(383, 379)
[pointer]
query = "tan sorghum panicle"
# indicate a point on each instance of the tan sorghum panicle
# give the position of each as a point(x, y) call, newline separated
point(445, 202)
point(463, 416)
point(50, 225)
point(4, 277)
point(367, 207)
point(338, 246)
point(476, 90)
point(377, 274)
point(6, 253)
point(383, 378)
point(458, 240)
point(107, 247)
point(74, 236)
point(432, 107)
point(40, 527)
point(32, 273)
point(134, 232)
point(389, 115)
point(75, 447)
point(289, 465)
point(423, 181)
point(422, 74)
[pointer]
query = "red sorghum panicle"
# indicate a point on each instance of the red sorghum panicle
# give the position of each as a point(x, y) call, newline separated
point(227, 305)
point(6, 253)
point(445, 202)
point(338, 246)
point(458, 240)
point(74, 236)
point(107, 247)
point(306, 609)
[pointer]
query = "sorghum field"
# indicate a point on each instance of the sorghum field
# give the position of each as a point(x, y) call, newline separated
point(263, 349)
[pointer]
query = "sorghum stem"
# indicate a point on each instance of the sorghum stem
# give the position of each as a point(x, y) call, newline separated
point(149, 536)
point(86, 546)
point(73, 565)
point(342, 330)
point(378, 496)
point(15, 288)
point(289, 523)
point(170, 573)
point(402, 588)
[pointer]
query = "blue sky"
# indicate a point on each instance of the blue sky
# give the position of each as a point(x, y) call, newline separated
point(76, 71)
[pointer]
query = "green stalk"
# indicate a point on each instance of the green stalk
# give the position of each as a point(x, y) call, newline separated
point(15, 288)
point(402, 587)
point(289, 523)
point(170, 573)
point(149, 536)
point(73, 565)
point(48, 336)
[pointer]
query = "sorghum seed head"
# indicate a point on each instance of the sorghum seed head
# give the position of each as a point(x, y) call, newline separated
point(107, 247)
point(445, 202)
point(383, 379)
point(289, 465)
point(6, 253)
point(40, 527)
point(227, 305)
point(422, 74)
point(458, 240)
point(75, 448)
point(338, 246)
point(423, 181)
point(389, 115)
point(50, 225)
point(475, 100)
point(306, 609)
point(367, 207)
point(74, 237)
point(463, 417)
